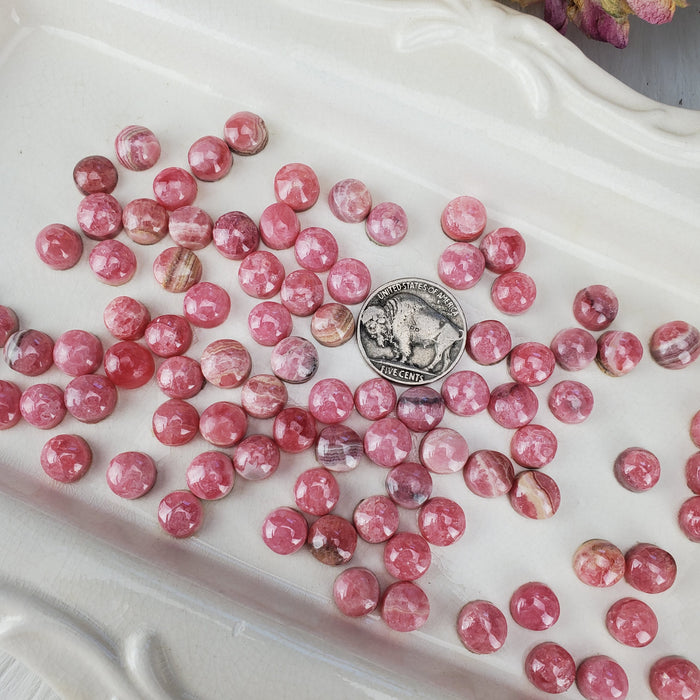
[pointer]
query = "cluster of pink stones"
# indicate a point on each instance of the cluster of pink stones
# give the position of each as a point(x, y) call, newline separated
point(689, 511)
point(513, 405)
point(462, 264)
point(142, 341)
point(226, 363)
point(632, 622)
point(331, 538)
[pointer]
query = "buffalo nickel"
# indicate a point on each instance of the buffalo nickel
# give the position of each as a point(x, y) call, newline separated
point(411, 331)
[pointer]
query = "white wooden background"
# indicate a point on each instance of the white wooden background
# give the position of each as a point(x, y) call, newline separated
point(662, 62)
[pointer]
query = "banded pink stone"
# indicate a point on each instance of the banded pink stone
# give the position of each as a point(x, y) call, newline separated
point(534, 495)
point(349, 200)
point(675, 344)
point(405, 606)
point(595, 307)
point(599, 563)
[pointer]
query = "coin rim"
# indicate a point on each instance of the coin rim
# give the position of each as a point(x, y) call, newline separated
point(372, 294)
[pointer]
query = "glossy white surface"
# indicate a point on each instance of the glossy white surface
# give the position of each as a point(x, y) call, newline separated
point(423, 101)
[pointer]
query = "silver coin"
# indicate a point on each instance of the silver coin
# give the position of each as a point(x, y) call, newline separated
point(411, 331)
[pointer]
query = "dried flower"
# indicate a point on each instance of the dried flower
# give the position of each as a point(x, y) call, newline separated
point(601, 23)
point(606, 20)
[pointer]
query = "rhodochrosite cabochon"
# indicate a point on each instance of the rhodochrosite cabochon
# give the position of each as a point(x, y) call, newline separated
point(250, 426)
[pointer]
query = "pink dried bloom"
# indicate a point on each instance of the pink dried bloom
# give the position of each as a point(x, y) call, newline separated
point(594, 21)
point(555, 14)
point(654, 11)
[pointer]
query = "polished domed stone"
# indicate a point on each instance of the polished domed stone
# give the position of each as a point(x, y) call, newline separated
point(95, 174)
point(673, 677)
point(488, 473)
point(256, 457)
point(284, 530)
point(675, 344)
point(58, 246)
point(332, 324)
point(619, 352)
point(503, 249)
point(180, 514)
point(129, 365)
point(339, 448)
point(632, 622)
point(296, 184)
point(534, 495)
point(387, 442)
point(595, 307)
point(331, 401)
point(533, 446)
point(210, 475)
point(131, 474)
point(407, 556)
point(41, 405)
point(482, 627)
point(441, 521)
point(387, 224)
point(245, 133)
point(443, 451)
point(90, 398)
point(649, 568)
point(190, 227)
point(294, 360)
point(263, 396)
point(464, 218)
point(174, 187)
point(209, 158)
point(126, 318)
point(66, 458)
point(405, 606)
point(77, 352)
point(574, 349)
point(168, 335)
point(488, 342)
point(176, 269)
point(225, 363)
point(175, 423)
point(316, 491)
point(332, 540)
point(349, 200)
point(356, 591)
point(420, 408)
point(376, 519)
point(137, 147)
point(145, 221)
point(550, 668)
point(599, 563)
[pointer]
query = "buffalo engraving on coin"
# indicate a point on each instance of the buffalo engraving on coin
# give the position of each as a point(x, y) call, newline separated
point(411, 331)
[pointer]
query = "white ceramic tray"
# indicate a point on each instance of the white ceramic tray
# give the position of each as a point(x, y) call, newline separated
point(423, 101)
